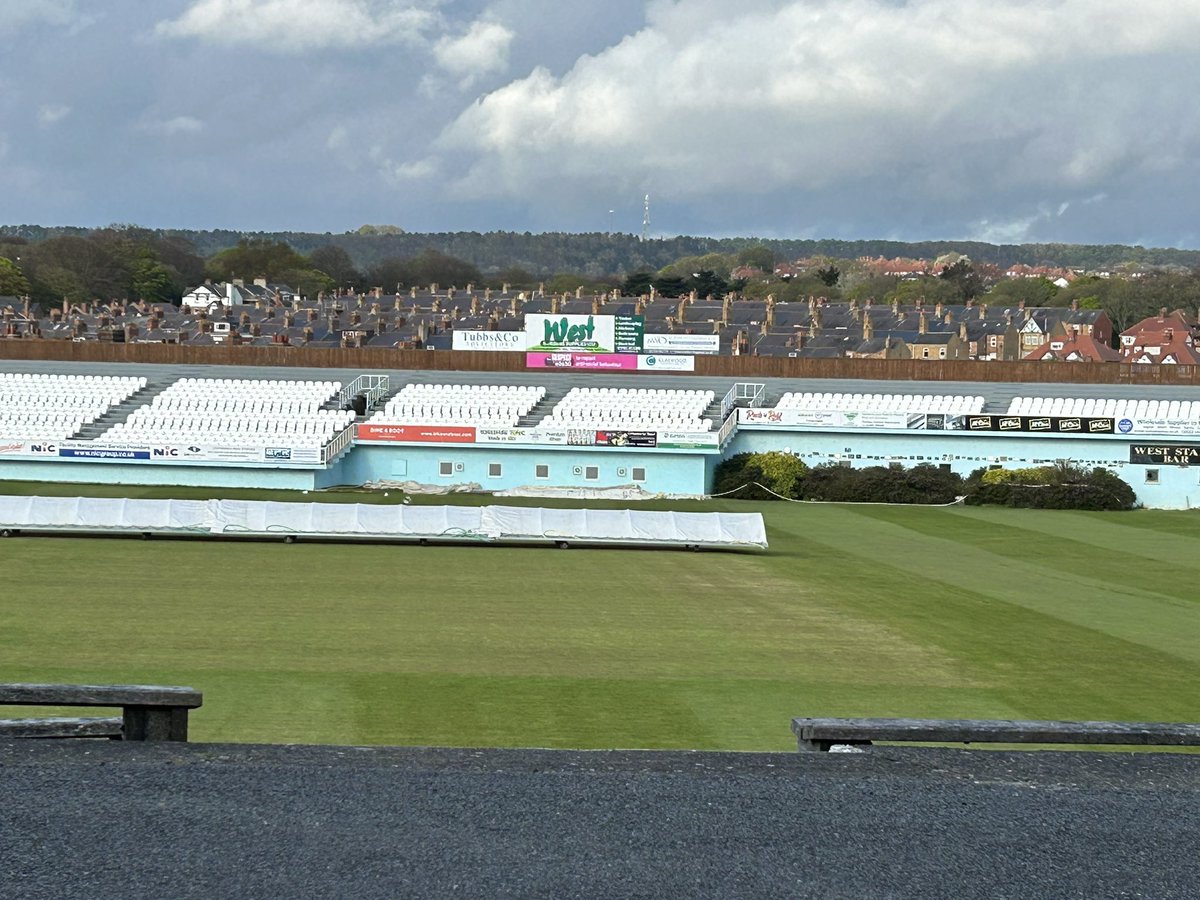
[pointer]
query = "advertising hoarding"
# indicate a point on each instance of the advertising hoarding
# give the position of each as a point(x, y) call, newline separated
point(502, 341)
point(698, 344)
point(584, 334)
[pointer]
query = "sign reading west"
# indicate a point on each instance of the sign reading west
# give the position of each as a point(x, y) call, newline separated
point(1165, 454)
point(584, 334)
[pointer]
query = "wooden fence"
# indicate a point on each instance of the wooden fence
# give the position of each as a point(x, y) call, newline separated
point(741, 368)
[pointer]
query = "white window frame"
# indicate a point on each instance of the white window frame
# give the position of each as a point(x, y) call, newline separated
point(591, 473)
point(541, 471)
point(633, 473)
point(498, 470)
point(445, 469)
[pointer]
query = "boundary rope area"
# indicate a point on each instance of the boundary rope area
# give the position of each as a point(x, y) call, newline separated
point(957, 501)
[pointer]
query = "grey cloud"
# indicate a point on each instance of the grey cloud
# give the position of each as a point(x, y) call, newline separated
point(963, 104)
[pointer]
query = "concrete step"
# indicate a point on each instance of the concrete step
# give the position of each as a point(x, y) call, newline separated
point(122, 411)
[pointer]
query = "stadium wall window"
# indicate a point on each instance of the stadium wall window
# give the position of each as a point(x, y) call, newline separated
point(1152, 476)
point(495, 470)
point(541, 471)
point(445, 469)
point(639, 473)
point(591, 473)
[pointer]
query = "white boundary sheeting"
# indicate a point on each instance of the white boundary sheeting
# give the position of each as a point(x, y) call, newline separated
point(358, 521)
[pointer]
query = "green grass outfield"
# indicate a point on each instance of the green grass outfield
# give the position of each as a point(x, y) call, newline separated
point(855, 610)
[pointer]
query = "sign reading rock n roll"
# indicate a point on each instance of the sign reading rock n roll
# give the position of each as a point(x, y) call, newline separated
point(584, 334)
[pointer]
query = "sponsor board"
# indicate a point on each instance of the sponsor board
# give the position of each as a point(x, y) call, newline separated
point(1165, 454)
point(654, 363)
point(1034, 424)
point(611, 438)
point(502, 341)
point(701, 344)
point(432, 434)
point(584, 334)
point(520, 436)
point(687, 440)
point(833, 418)
point(191, 453)
point(594, 362)
point(1158, 426)
point(101, 453)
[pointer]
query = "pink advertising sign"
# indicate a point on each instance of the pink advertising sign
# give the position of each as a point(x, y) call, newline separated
point(589, 361)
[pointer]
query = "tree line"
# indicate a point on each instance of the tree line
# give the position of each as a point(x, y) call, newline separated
point(129, 262)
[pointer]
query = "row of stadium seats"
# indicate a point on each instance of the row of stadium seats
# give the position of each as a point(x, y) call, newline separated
point(257, 406)
point(240, 387)
point(628, 423)
point(133, 383)
point(238, 411)
point(42, 406)
point(1179, 410)
point(631, 408)
point(495, 405)
point(919, 403)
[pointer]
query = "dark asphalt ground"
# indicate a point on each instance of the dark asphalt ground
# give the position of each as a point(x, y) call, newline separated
point(103, 819)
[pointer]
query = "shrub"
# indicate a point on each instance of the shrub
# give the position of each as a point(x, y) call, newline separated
point(1062, 486)
point(880, 484)
point(780, 473)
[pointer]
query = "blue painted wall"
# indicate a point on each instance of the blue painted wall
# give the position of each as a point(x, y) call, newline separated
point(1177, 487)
point(669, 473)
point(123, 473)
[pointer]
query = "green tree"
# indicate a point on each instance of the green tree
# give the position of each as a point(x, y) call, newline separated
point(1033, 291)
point(255, 257)
point(335, 262)
point(13, 282)
point(637, 284)
point(758, 256)
point(963, 276)
point(829, 275)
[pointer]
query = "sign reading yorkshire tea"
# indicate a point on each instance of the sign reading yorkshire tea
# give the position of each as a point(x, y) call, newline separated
point(584, 334)
point(1165, 454)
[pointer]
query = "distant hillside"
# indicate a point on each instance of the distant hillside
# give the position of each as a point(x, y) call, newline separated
point(599, 254)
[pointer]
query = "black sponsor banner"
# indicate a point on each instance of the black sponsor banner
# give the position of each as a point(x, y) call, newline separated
point(1165, 454)
point(1033, 424)
point(627, 438)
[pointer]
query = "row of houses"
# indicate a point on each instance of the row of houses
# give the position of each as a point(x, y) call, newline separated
point(262, 313)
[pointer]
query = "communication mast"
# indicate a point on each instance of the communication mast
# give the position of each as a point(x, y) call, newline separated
point(646, 219)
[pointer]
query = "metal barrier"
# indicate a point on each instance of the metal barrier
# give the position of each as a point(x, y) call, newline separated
point(728, 427)
point(339, 443)
point(749, 393)
point(374, 387)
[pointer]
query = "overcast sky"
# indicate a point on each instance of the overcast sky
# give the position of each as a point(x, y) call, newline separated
point(1000, 120)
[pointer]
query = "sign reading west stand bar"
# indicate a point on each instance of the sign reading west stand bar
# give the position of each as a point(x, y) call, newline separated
point(1165, 454)
point(584, 334)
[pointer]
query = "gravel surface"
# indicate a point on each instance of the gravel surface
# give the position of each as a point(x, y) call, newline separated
point(105, 819)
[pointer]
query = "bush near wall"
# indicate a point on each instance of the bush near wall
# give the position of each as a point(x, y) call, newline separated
point(786, 475)
point(780, 473)
point(924, 483)
point(1061, 486)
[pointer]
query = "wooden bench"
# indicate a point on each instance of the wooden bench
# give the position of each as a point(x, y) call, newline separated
point(148, 712)
point(821, 734)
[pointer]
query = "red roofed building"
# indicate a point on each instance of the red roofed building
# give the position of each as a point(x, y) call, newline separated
point(1165, 339)
point(1075, 347)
